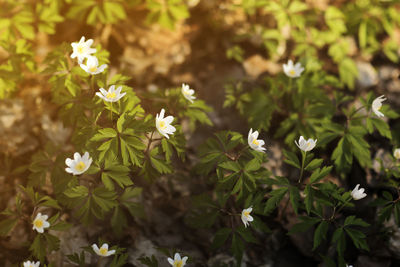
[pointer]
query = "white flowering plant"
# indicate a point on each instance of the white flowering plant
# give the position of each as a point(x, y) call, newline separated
point(126, 148)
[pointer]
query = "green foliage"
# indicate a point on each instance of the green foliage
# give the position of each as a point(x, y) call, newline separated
point(108, 12)
point(128, 153)
point(151, 262)
point(167, 12)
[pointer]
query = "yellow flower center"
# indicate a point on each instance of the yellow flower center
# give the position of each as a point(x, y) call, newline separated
point(103, 251)
point(111, 95)
point(178, 263)
point(38, 223)
point(378, 107)
point(162, 125)
point(246, 214)
point(255, 142)
point(93, 69)
point(292, 72)
point(80, 166)
point(80, 49)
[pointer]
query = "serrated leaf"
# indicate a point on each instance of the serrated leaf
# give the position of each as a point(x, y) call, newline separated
point(320, 233)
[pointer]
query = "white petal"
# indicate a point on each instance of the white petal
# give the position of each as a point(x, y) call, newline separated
point(84, 67)
point(161, 114)
point(168, 119)
point(96, 248)
point(68, 162)
point(118, 90)
point(177, 257)
point(103, 91)
point(89, 42)
point(111, 252)
point(171, 129)
point(77, 157)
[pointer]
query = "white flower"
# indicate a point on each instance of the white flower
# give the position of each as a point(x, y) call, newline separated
point(255, 144)
point(377, 104)
point(92, 65)
point(187, 92)
point(111, 95)
point(306, 145)
point(357, 193)
point(177, 261)
point(40, 222)
point(246, 217)
point(163, 125)
point(291, 70)
point(82, 49)
point(79, 164)
point(103, 251)
point(31, 264)
point(396, 153)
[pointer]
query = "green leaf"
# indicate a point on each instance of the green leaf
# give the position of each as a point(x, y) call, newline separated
point(320, 233)
point(352, 220)
point(220, 238)
point(315, 163)
point(117, 172)
point(276, 197)
point(291, 159)
point(362, 34)
point(230, 165)
point(358, 238)
point(245, 233)
point(38, 247)
point(382, 127)
point(339, 237)
point(237, 247)
point(319, 174)
point(294, 198)
point(252, 165)
point(7, 225)
point(307, 222)
point(103, 134)
point(308, 201)
point(348, 72)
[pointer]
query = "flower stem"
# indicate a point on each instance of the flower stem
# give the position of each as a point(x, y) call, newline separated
point(290, 84)
point(303, 159)
point(355, 111)
point(340, 208)
point(150, 141)
point(92, 83)
point(111, 111)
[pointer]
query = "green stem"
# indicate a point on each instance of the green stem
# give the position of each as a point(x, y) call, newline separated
point(111, 111)
point(290, 84)
point(341, 207)
point(360, 117)
point(149, 143)
point(303, 159)
point(92, 83)
point(355, 111)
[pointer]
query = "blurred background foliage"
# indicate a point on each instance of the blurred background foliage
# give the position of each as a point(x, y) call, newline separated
point(231, 52)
